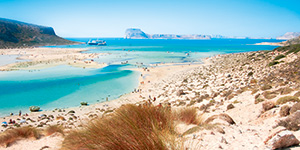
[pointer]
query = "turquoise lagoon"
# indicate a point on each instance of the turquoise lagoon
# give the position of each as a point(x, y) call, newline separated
point(65, 86)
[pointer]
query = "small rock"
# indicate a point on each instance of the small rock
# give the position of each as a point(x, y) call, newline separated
point(281, 139)
point(71, 112)
point(230, 106)
point(294, 108)
point(268, 105)
point(284, 111)
point(180, 92)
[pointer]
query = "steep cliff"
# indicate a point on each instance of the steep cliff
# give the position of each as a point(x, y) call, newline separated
point(19, 34)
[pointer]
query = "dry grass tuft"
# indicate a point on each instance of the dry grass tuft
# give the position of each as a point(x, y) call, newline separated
point(53, 129)
point(258, 100)
point(286, 99)
point(129, 127)
point(188, 115)
point(12, 135)
point(269, 94)
point(223, 116)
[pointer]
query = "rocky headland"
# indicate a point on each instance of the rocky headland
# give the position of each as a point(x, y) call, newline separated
point(16, 34)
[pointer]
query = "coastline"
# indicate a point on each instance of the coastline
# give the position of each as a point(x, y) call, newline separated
point(155, 75)
point(270, 43)
point(228, 84)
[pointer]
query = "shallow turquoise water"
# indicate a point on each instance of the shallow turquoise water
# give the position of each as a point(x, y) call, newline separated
point(65, 86)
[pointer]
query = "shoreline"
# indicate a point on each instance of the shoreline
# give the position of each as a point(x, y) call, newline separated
point(272, 44)
point(155, 75)
point(40, 58)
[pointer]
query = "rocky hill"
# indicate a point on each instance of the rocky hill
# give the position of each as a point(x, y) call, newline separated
point(293, 41)
point(134, 33)
point(19, 34)
point(288, 36)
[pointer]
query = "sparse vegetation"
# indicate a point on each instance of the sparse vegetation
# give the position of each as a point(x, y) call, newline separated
point(10, 136)
point(286, 99)
point(53, 129)
point(273, 63)
point(279, 57)
point(129, 127)
point(258, 100)
point(270, 94)
point(188, 115)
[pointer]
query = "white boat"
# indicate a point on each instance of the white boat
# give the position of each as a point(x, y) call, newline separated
point(96, 42)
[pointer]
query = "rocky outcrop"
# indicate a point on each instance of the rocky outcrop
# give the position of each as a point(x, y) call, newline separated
point(288, 35)
point(281, 139)
point(135, 34)
point(19, 34)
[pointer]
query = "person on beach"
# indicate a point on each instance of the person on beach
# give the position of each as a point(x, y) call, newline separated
point(20, 113)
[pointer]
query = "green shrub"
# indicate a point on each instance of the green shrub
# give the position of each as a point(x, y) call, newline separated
point(258, 100)
point(273, 63)
point(279, 57)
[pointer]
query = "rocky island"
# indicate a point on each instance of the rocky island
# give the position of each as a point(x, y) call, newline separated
point(134, 33)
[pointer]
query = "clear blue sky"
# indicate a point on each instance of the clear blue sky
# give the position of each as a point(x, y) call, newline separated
point(110, 18)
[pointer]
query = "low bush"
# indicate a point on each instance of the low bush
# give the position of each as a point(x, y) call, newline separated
point(273, 63)
point(279, 57)
point(269, 94)
point(258, 100)
point(286, 99)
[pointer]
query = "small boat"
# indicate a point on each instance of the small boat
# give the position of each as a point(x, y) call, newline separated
point(96, 42)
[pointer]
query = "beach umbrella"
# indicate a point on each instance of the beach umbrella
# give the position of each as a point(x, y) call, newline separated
point(4, 123)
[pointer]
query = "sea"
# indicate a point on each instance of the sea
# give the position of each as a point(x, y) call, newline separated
point(65, 86)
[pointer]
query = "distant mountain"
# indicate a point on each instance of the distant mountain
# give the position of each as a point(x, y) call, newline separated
point(288, 35)
point(134, 33)
point(19, 34)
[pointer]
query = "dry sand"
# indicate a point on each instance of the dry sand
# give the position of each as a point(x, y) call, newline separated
point(39, 58)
